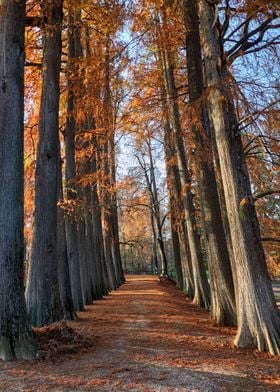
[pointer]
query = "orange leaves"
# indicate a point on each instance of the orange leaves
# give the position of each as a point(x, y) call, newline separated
point(185, 187)
point(87, 180)
point(244, 202)
point(134, 215)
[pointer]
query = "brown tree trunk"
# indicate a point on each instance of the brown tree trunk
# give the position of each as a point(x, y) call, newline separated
point(42, 294)
point(156, 209)
point(112, 264)
point(100, 284)
point(114, 210)
point(257, 315)
point(201, 286)
point(173, 219)
point(98, 241)
point(221, 282)
point(63, 266)
point(16, 338)
point(155, 261)
point(187, 267)
point(88, 262)
point(175, 183)
point(71, 223)
point(84, 231)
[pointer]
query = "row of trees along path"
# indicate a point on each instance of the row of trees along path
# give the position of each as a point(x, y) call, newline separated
point(74, 255)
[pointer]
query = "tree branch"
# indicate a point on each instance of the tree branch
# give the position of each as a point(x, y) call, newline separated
point(266, 193)
point(270, 239)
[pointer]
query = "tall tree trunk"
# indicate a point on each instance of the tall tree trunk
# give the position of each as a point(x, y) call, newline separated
point(156, 208)
point(94, 223)
point(71, 224)
point(42, 294)
point(98, 241)
point(175, 183)
point(16, 338)
point(201, 286)
point(257, 315)
point(95, 271)
point(114, 209)
point(221, 282)
point(99, 199)
point(173, 219)
point(63, 266)
point(155, 264)
point(87, 260)
point(187, 266)
point(84, 231)
point(112, 265)
point(83, 258)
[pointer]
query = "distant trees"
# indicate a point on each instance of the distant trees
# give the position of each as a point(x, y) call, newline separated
point(148, 171)
point(138, 237)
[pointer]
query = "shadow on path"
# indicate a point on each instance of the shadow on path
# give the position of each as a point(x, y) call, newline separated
point(147, 336)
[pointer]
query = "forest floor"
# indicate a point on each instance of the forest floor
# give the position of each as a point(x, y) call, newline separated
point(146, 336)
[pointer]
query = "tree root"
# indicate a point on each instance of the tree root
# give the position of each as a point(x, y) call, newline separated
point(265, 339)
point(23, 348)
point(6, 352)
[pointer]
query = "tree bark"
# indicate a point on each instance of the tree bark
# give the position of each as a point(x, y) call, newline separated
point(83, 259)
point(98, 241)
point(94, 224)
point(156, 208)
point(173, 219)
point(201, 286)
point(71, 223)
point(186, 262)
point(112, 264)
point(257, 315)
point(172, 165)
point(221, 281)
point(63, 266)
point(42, 294)
point(16, 339)
point(114, 209)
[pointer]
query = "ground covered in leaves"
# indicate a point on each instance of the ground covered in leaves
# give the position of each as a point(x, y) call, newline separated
point(146, 336)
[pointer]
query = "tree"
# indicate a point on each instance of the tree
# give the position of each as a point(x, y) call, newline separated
point(201, 286)
point(148, 170)
point(221, 280)
point(107, 116)
point(66, 298)
point(74, 52)
point(177, 212)
point(16, 338)
point(42, 293)
point(137, 233)
point(257, 316)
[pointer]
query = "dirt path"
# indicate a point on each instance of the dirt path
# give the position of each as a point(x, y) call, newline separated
point(144, 337)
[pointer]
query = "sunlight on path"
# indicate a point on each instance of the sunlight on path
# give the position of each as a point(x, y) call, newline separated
point(147, 337)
